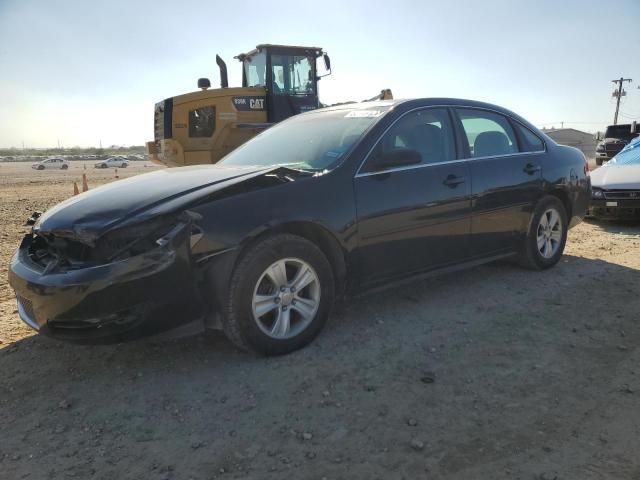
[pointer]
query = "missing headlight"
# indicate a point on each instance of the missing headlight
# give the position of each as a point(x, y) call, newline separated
point(135, 239)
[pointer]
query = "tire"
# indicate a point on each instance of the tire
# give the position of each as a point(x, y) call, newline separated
point(64, 167)
point(104, 165)
point(540, 256)
point(124, 165)
point(40, 167)
point(253, 278)
point(599, 161)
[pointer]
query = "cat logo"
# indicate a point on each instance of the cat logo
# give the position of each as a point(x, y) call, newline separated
point(256, 103)
point(246, 104)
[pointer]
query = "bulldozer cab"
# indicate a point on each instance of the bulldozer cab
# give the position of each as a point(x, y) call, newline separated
point(289, 76)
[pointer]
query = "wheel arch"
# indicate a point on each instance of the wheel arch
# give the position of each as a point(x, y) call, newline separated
point(563, 196)
point(317, 234)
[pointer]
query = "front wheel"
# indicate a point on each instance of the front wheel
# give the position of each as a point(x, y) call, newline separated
point(280, 295)
point(104, 165)
point(547, 236)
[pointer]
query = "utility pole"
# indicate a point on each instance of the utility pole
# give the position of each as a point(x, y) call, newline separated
point(618, 93)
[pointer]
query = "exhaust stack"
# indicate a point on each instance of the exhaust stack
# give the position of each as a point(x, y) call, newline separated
point(224, 82)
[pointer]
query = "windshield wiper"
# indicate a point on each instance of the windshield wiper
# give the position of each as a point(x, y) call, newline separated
point(293, 166)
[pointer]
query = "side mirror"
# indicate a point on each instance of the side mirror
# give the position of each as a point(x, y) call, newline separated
point(327, 62)
point(204, 83)
point(400, 157)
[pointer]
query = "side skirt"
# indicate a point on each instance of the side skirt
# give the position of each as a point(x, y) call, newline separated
point(433, 273)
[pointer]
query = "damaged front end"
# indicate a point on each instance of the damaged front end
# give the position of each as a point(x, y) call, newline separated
point(133, 281)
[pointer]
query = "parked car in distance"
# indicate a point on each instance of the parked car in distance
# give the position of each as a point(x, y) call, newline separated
point(328, 203)
point(56, 162)
point(113, 162)
point(616, 137)
point(616, 185)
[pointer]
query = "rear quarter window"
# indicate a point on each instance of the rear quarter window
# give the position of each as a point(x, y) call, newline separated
point(529, 140)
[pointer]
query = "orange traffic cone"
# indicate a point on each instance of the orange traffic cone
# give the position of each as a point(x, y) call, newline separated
point(75, 188)
point(85, 186)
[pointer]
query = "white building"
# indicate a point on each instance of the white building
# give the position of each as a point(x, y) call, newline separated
point(574, 138)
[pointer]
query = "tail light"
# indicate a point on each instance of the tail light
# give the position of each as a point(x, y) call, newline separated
point(586, 166)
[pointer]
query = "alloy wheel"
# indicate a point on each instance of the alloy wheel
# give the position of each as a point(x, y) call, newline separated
point(549, 234)
point(286, 298)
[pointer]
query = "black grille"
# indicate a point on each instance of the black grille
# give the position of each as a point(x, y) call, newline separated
point(613, 147)
point(27, 307)
point(622, 194)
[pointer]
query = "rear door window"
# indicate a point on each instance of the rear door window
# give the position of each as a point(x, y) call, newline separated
point(488, 134)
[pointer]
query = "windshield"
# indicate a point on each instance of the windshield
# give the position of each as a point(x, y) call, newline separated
point(630, 155)
point(619, 131)
point(315, 141)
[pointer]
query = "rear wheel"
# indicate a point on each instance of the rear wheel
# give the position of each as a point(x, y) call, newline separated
point(545, 241)
point(280, 296)
point(64, 167)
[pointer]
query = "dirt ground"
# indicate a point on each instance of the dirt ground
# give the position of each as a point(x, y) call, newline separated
point(493, 373)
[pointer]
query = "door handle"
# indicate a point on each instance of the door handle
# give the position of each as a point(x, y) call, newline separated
point(452, 181)
point(530, 168)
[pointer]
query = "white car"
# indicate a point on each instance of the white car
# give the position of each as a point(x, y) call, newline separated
point(59, 163)
point(615, 187)
point(118, 162)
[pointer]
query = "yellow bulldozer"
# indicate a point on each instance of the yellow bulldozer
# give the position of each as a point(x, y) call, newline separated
point(201, 127)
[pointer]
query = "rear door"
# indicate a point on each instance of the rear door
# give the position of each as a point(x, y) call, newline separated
point(413, 218)
point(506, 178)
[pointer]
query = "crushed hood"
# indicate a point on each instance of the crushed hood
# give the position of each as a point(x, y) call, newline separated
point(87, 216)
point(616, 177)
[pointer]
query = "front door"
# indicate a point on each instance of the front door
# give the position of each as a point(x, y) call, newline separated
point(418, 217)
point(291, 85)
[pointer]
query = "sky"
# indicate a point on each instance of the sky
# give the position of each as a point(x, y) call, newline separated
point(80, 73)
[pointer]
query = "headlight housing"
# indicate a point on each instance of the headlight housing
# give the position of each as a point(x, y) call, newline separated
point(597, 193)
point(600, 147)
point(134, 239)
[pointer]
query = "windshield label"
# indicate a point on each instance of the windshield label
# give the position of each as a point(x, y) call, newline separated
point(363, 114)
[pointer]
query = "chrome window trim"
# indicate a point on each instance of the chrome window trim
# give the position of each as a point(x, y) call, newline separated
point(411, 167)
point(459, 160)
point(516, 154)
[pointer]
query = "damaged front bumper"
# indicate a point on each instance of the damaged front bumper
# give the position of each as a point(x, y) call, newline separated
point(143, 295)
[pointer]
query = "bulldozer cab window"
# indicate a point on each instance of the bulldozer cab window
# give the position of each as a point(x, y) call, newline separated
point(292, 75)
point(255, 69)
point(202, 122)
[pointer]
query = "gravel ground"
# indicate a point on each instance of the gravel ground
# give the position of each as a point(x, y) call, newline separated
point(494, 372)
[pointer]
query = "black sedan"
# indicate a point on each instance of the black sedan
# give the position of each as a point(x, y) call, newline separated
point(328, 203)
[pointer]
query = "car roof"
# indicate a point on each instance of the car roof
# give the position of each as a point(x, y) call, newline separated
point(409, 103)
